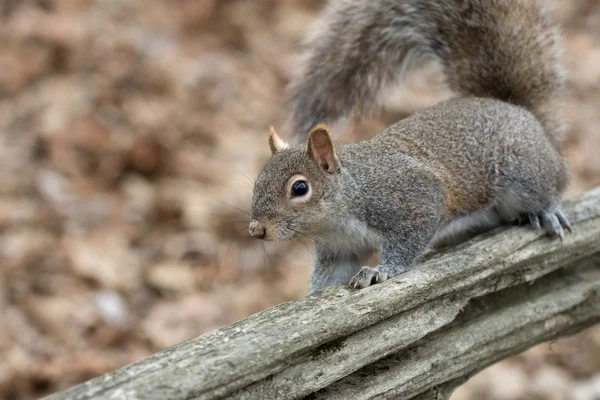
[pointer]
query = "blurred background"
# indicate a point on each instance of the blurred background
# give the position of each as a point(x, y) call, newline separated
point(130, 132)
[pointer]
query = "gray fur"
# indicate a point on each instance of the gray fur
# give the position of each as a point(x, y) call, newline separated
point(475, 161)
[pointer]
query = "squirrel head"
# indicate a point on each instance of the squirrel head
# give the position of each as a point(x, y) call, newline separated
point(292, 194)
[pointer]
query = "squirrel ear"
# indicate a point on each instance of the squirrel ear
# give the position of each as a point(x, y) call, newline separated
point(320, 148)
point(275, 142)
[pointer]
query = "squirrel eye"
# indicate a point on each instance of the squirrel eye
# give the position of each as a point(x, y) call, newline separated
point(299, 188)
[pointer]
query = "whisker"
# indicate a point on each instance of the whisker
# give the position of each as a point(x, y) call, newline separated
point(268, 256)
point(262, 245)
point(225, 216)
point(232, 241)
point(240, 231)
point(307, 248)
point(252, 181)
point(325, 236)
point(245, 249)
point(257, 254)
point(301, 235)
point(242, 182)
point(333, 239)
point(234, 207)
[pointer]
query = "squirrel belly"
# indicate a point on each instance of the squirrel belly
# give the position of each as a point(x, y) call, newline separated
point(486, 157)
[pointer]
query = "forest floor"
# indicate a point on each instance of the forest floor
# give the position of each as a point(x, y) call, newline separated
point(130, 132)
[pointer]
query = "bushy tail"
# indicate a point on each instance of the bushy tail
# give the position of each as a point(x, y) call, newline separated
point(504, 49)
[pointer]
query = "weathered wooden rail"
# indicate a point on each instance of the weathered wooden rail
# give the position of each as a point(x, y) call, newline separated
point(417, 336)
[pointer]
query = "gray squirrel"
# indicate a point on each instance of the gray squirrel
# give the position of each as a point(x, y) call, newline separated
point(486, 157)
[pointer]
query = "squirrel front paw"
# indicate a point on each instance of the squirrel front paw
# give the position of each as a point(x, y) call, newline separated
point(367, 276)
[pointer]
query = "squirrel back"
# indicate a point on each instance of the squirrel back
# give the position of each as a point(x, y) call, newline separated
point(507, 50)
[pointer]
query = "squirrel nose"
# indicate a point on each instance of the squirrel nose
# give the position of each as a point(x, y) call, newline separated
point(257, 230)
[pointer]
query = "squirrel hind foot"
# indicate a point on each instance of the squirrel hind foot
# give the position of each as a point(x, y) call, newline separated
point(553, 222)
point(367, 276)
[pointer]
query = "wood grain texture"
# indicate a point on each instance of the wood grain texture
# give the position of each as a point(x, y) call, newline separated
point(418, 335)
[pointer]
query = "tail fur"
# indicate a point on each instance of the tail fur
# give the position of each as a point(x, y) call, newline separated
point(504, 49)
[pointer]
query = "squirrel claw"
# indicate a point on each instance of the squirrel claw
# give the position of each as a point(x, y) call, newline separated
point(366, 277)
point(564, 222)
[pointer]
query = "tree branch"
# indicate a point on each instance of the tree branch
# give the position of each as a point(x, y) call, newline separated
point(418, 335)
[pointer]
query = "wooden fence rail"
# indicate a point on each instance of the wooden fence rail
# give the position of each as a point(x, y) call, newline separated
point(416, 336)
